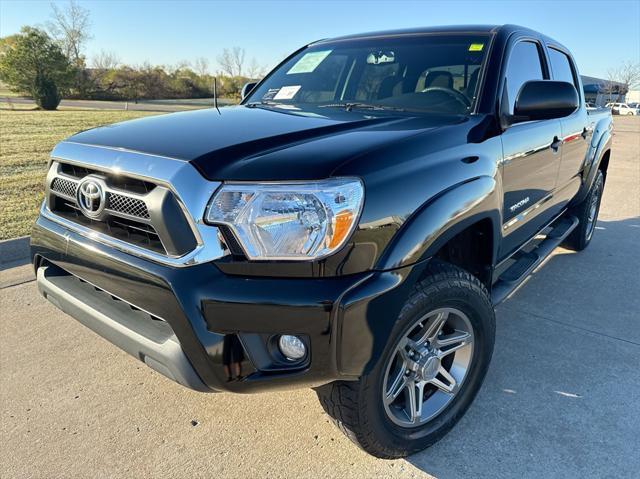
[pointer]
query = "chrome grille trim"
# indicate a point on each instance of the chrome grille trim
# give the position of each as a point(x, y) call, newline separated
point(192, 192)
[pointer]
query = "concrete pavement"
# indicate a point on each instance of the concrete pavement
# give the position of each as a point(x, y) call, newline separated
point(562, 397)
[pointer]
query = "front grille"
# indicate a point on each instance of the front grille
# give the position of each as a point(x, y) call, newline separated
point(127, 205)
point(123, 229)
point(116, 202)
point(126, 216)
point(64, 187)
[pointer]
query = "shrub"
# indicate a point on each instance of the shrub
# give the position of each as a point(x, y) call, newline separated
point(46, 94)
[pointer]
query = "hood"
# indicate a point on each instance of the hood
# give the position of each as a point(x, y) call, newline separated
point(259, 144)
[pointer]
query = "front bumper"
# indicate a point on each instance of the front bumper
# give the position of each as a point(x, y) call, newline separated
point(210, 331)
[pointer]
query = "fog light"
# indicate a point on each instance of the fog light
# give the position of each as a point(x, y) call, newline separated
point(292, 347)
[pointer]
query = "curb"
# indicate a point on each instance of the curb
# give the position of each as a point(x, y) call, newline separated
point(14, 250)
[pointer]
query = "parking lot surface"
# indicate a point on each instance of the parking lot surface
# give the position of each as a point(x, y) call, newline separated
point(561, 399)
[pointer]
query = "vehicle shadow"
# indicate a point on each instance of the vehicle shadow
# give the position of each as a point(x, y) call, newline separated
point(562, 396)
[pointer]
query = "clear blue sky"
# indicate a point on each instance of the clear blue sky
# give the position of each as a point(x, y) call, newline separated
point(601, 34)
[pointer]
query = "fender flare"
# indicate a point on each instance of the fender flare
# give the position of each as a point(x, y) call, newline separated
point(442, 218)
point(592, 163)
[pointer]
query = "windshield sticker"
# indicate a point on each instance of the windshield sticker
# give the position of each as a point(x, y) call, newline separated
point(270, 94)
point(476, 47)
point(309, 62)
point(287, 92)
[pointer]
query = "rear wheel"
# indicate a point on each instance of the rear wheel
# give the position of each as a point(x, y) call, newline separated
point(587, 214)
point(432, 368)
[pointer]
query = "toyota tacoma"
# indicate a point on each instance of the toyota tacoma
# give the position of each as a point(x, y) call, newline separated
point(349, 226)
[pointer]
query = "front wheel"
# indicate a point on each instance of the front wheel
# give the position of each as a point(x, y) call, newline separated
point(432, 367)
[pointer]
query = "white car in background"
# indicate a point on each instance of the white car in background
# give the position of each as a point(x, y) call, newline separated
point(621, 109)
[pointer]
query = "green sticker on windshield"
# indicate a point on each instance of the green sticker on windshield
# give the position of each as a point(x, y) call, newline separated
point(476, 47)
point(309, 62)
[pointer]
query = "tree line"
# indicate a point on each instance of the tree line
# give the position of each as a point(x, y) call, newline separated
point(49, 63)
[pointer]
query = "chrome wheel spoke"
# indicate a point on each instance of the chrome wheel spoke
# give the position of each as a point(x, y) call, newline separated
point(399, 383)
point(452, 342)
point(449, 385)
point(414, 402)
point(432, 327)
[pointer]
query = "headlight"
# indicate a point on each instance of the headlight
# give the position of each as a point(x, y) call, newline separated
point(289, 221)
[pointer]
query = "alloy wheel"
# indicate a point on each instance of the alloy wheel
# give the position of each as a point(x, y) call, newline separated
point(428, 367)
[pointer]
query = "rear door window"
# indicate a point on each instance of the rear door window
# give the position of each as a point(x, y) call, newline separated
point(561, 66)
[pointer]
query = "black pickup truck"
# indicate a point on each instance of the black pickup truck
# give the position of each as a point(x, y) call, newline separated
point(349, 227)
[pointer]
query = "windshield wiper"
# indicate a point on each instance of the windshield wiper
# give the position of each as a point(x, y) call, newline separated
point(361, 106)
point(254, 104)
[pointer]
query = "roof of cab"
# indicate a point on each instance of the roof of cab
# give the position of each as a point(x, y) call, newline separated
point(418, 31)
point(508, 28)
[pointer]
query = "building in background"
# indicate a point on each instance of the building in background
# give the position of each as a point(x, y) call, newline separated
point(600, 92)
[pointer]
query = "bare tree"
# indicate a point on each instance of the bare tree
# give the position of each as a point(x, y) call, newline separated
point(201, 66)
point(106, 60)
point(628, 74)
point(610, 85)
point(622, 79)
point(70, 26)
point(181, 65)
point(255, 70)
point(231, 61)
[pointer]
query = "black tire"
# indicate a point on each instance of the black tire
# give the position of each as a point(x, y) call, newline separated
point(357, 407)
point(581, 236)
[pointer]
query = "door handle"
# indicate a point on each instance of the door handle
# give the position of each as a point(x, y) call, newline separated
point(586, 131)
point(555, 145)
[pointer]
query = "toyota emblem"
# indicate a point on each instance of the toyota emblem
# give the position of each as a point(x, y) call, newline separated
point(91, 197)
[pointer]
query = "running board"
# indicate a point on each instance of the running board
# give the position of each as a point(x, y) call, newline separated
point(525, 263)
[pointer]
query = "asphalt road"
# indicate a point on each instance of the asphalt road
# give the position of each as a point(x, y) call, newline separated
point(147, 105)
point(562, 397)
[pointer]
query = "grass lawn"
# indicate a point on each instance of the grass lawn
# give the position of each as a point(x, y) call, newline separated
point(27, 137)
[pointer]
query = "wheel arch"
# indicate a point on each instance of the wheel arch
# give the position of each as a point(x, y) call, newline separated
point(597, 159)
point(472, 207)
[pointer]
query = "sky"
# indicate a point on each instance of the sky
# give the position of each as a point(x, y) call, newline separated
point(601, 34)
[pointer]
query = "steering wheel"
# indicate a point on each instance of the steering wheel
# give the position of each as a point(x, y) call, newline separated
point(455, 94)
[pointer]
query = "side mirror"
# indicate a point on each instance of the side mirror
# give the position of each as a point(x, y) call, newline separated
point(545, 100)
point(246, 89)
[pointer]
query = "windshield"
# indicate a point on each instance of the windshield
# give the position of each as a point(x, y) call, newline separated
point(419, 73)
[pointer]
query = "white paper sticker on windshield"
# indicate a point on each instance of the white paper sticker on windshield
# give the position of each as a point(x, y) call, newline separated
point(287, 92)
point(309, 62)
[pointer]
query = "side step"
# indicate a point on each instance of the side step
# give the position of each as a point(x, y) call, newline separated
point(525, 263)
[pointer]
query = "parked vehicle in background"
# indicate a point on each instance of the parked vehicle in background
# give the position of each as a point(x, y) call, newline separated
point(350, 226)
point(590, 106)
point(621, 109)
